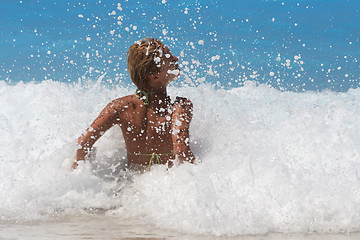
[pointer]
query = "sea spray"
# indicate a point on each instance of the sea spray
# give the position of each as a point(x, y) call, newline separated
point(268, 161)
point(271, 162)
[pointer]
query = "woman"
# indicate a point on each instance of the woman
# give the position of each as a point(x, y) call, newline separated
point(155, 130)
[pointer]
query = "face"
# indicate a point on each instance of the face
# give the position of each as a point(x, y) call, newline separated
point(169, 69)
point(170, 63)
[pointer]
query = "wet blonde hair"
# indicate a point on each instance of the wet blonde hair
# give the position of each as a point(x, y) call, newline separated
point(144, 59)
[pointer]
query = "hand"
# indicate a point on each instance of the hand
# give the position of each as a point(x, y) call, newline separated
point(74, 163)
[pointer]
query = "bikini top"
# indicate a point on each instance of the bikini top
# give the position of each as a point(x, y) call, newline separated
point(142, 95)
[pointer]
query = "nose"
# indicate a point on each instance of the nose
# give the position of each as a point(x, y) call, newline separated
point(175, 59)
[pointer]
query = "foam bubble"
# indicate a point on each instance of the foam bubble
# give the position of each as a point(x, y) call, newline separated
point(174, 72)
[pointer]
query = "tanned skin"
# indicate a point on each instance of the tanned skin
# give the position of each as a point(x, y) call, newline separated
point(160, 126)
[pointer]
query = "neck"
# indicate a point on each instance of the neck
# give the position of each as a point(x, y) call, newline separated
point(159, 96)
point(158, 93)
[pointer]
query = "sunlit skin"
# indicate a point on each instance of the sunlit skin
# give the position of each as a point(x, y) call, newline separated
point(160, 127)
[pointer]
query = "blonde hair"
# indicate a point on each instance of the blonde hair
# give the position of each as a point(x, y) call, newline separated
point(144, 59)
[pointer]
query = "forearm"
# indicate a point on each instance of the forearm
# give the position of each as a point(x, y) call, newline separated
point(181, 147)
point(184, 153)
point(181, 119)
point(81, 153)
point(107, 118)
point(85, 143)
point(187, 156)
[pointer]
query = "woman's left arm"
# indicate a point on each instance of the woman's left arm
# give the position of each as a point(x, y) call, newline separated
point(180, 124)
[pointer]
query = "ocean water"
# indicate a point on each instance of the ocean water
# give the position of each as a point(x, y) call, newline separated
point(269, 161)
point(275, 88)
point(291, 45)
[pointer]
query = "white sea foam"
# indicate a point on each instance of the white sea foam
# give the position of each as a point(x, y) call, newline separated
point(270, 161)
point(175, 72)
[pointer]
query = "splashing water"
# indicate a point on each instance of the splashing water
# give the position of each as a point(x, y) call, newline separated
point(269, 161)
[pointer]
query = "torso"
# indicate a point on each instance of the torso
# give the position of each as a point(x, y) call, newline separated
point(146, 129)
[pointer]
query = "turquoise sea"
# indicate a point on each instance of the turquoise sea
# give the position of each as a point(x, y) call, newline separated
point(291, 45)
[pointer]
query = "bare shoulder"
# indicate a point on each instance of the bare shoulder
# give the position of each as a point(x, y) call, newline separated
point(183, 108)
point(183, 103)
point(124, 103)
